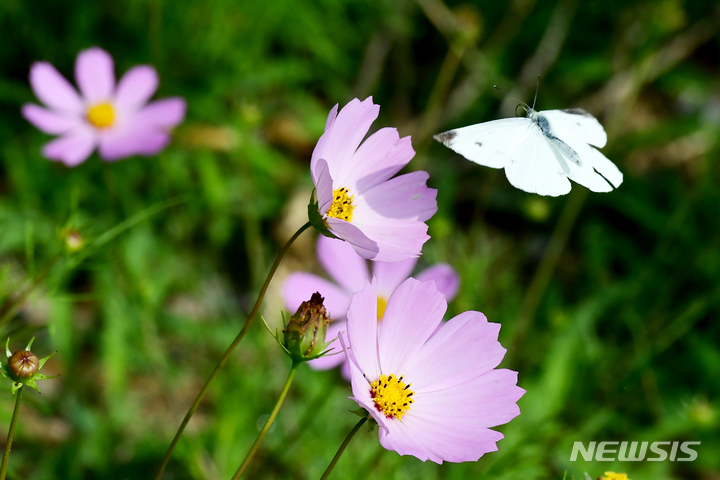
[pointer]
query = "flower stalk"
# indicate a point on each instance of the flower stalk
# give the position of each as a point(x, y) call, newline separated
point(11, 432)
point(268, 422)
point(344, 445)
point(228, 352)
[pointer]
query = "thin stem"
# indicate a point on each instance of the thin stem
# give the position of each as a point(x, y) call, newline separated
point(11, 432)
point(230, 349)
point(340, 451)
point(268, 423)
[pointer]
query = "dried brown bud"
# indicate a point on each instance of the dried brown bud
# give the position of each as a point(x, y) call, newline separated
point(304, 334)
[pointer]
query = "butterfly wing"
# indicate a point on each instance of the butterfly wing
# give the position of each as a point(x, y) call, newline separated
point(581, 172)
point(577, 128)
point(486, 143)
point(518, 145)
point(593, 159)
point(532, 165)
point(578, 123)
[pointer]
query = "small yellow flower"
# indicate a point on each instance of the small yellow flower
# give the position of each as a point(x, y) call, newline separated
point(614, 476)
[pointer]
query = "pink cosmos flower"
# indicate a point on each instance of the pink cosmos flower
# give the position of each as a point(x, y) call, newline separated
point(383, 218)
point(115, 118)
point(431, 386)
point(350, 271)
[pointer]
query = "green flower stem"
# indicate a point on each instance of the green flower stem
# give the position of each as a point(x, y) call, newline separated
point(268, 423)
point(340, 451)
point(230, 349)
point(11, 432)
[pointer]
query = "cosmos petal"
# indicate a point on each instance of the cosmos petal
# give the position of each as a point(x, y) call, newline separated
point(446, 279)
point(340, 261)
point(95, 75)
point(412, 314)
point(54, 90)
point(362, 330)
point(298, 287)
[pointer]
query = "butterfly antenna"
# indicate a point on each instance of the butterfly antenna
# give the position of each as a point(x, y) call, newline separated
point(512, 96)
point(537, 87)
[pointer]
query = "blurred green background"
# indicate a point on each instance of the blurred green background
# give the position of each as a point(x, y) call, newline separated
point(609, 302)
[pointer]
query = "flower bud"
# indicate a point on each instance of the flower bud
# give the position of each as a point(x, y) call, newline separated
point(73, 240)
point(23, 364)
point(304, 333)
point(23, 367)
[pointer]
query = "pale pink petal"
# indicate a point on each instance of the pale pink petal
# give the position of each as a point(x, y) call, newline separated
point(412, 314)
point(54, 90)
point(406, 197)
point(360, 385)
point(336, 356)
point(161, 114)
point(123, 142)
point(340, 261)
point(323, 185)
point(459, 351)
point(458, 441)
point(345, 134)
point(136, 87)
point(379, 157)
point(298, 287)
point(496, 390)
point(363, 245)
point(345, 370)
point(390, 275)
point(331, 117)
point(48, 121)
point(73, 148)
point(119, 143)
point(151, 142)
point(95, 75)
point(395, 239)
point(405, 441)
point(446, 279)
point(362, 330)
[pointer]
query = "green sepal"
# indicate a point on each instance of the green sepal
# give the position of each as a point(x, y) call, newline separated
point(42, 361)
point(360, 412)
point(17, 386)
point(276, 334)
point(316, 220)
point(7, 348)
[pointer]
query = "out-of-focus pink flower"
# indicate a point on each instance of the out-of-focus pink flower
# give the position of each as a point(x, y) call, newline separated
point(350, 271)
point(117, 119)
point(431, 386)
point(383, 218)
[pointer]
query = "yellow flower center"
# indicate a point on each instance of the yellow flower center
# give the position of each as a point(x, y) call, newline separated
point(101, 115)
point(381, 306)
point(342, 206)
point(392, 396)
point(615, 476)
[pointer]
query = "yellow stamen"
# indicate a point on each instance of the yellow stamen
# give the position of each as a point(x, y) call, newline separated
point(381, 306)
point(392, 396)
point(101, 115)
point(342, 206)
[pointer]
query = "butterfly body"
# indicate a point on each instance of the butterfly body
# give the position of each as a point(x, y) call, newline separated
point(540, 151)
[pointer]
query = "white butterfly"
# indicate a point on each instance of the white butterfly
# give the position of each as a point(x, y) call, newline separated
point(541, 151)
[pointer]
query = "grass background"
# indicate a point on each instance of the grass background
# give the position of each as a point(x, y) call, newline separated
point(609, 302)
